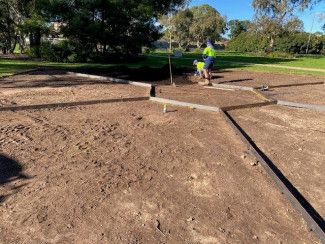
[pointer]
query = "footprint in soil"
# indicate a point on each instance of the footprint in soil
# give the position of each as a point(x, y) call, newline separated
point(42, 215)
point(83, 146)
point(17, 134)
point(15, 129)
point(62, 132)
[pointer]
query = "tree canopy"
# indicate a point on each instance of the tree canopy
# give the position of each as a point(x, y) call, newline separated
point(238, 26)
point(88, 28)
point(195, 25)
point(274, 17)
point(101, 25)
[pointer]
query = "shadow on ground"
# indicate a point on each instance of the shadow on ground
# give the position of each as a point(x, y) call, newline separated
point(10, 171)
point(151, 69)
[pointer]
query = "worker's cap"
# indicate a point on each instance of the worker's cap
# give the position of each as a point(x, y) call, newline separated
point(195, 62)
point(209, 43)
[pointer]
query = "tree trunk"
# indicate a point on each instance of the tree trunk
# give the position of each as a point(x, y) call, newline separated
point(170, 41)
point(35, 42)
point(21, 43)
point(13, 47)
point(271, 45)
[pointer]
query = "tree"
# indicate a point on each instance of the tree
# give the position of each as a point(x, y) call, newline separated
point(18, 19)
point(323, 27)
point(207, 24)
point(7, 27)
point(238, 26)
point(272, 16)
point(168, 28)
point(35, 25)
point(110, 25)
point(182, 22)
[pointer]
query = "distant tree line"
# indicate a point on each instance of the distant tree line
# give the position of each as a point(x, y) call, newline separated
point(97, 29)
point(88, 26)
point(276, 28)
point(193, 26)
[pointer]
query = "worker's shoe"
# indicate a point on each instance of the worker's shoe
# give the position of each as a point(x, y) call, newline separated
point(205, 83)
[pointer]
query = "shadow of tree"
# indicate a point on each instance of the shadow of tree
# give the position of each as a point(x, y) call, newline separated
point(10, 170)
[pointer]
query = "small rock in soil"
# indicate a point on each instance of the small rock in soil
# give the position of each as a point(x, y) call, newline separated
point(244, 156)
point(190, 219)
point(254, 163)
point(255, 237)
point(222, 230)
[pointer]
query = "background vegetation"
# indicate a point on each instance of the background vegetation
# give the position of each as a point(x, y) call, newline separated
point(115, 31)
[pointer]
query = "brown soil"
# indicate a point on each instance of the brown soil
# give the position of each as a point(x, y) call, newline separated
point(128, 173)
point(314, 94)
point(58, 87)
point(207, 96)
point(294, 140)
point(246, 78)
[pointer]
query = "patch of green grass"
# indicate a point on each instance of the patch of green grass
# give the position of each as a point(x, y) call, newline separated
point(279, 70)
point(317, 62)
point(234, 61)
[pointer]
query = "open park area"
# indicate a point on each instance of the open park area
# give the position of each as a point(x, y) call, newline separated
point(162, 121)
point(92, 159)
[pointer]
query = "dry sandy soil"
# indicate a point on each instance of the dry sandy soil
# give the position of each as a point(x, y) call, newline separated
point(200, 95)
point(58, 87)
point(128, 173)
point(294, 140)
point(246, 78)
point(312, 94)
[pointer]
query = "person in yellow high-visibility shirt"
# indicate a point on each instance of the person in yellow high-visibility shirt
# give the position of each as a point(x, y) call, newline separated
point(209, 56)
point(199, 68)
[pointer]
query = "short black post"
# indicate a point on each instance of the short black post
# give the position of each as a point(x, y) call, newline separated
point(153, 91)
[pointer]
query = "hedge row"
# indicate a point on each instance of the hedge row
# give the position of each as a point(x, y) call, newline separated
point(295, 43)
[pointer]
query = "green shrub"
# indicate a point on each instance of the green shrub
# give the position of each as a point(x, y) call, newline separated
point(56, 52)
point(248, 42)
point(277, 54)
point(293, 43)
point(197, 51)
point(146, 50)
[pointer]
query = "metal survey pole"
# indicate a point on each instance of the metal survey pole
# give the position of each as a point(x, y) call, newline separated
point(170, 70)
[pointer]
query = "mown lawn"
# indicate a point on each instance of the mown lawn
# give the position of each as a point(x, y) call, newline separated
point(313, 61)
point(226, 60)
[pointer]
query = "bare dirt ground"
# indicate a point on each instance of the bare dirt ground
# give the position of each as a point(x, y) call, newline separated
point(57, 87)
point(314, 94)
point(200, 95)
point(294, 139)
point(128, 173)
point(246, 78)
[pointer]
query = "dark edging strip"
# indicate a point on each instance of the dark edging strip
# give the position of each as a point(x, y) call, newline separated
point(72, 104)
point(301, 105)
point(262, 95)
point(20, 73)
point(112, 79)
point(294, 85)
point(252, 105)
point(313, 219)
point(184, 104)
point(249, 88)
point(244, 88)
